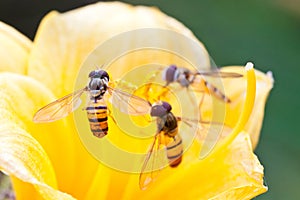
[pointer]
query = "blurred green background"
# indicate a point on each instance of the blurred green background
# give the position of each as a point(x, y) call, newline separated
point(234, 32)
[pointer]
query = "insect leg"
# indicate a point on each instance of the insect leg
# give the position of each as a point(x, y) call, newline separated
point(193, 102)
point(109, 113)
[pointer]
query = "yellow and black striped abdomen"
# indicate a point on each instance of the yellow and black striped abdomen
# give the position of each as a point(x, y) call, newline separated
point(174, 150)
point(97, 116)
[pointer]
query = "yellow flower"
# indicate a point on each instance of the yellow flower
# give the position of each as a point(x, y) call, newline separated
point(48, 161)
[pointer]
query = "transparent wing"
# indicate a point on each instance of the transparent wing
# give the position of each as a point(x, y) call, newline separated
point(128, 103)
point(220, 74)
point(208, 134)
point(188, 121)
point(198, 81)
point(60, 108)
point(152, 164)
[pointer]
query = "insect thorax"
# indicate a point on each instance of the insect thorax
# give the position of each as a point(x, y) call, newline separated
point(97, 88)
point(183, 77)
point(167, 124)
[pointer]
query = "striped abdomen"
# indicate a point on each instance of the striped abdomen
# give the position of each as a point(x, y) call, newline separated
point(216, 92)
point(97, 116)
point(202, 85)
point(174, 150)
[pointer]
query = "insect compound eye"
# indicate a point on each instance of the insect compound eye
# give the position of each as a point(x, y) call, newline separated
point(169, 73)
point(99, 74)
point(92, 74)
point(158, 111)
point(166, 106)
point(103, 74)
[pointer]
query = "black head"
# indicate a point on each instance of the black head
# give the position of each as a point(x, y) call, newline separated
point(170, 73)
point(160, 109)
point(99, 74)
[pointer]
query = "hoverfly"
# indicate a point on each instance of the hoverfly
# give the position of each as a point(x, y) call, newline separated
point(167, 135)
point(96, 108)
point(186, 78)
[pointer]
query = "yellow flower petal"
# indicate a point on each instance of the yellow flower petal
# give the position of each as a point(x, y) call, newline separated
point(233, 173)
point(235, 89)
point(14, 50)
point(21, 156)
point(63, 41)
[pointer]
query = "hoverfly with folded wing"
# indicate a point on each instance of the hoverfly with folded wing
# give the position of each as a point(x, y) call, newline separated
point(195, 79)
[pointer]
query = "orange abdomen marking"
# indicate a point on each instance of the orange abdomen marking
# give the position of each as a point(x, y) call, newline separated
point(97, 116)
point(175, 151)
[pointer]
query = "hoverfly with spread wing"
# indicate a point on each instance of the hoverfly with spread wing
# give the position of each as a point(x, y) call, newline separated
point(96, 109)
